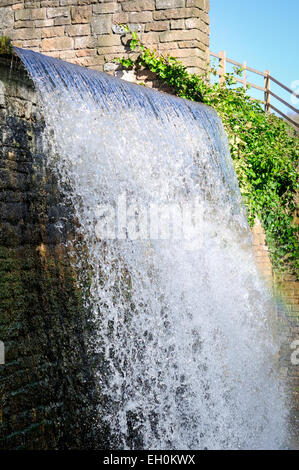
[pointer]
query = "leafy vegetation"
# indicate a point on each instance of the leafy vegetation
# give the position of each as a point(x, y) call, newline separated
point(264, 148)
point(5, 46)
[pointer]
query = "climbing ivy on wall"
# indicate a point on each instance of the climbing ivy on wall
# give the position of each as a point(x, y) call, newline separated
point(264, 148)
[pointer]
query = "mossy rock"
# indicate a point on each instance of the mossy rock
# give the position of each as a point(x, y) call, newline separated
point(5, 46)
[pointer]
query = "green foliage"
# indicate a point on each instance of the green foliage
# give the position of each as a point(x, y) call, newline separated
point(5, 46)
point(264, 148)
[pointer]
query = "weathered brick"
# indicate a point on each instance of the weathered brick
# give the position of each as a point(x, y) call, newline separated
point(78, 30)
point(17, 6)
point(67, 55)
point(141, 17)
point(49, 3)
point(165, 46)
point(176, 14)
point(163, 4)
point(108, 40)
point(177, 24)
point(27, 33)
point(111, 49)
point(22, 15)
point(101, 24)
point(32, 4)
point(38, 13)
point(81, 14)
point(24, 24)
point(61, 20)
point(6, 18)
point(57, 44)
point(30, 43)
point(202, 4)
point(157, 26)
point(192, 61)
point(111, 7)
point(194, 52)
point(168, 36)
point(43, 23)
point(51, 32)
point(192, 43)
point(122, 18)
point(196, 23)
point(85, 42)
point(138, 5)
point(55, 12)
point(86, 52)
point(150, 38)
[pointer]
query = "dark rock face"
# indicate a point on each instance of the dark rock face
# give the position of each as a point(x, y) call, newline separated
point(47, 388)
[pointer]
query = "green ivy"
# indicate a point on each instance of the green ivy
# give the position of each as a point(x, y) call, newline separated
point(264, 148)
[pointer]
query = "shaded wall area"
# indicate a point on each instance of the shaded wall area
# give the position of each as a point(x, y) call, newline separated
point(46, 385)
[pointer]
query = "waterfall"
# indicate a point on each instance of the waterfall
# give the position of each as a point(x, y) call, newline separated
point(181, 319)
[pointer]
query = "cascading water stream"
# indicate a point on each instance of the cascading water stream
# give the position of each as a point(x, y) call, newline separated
point(181, 317)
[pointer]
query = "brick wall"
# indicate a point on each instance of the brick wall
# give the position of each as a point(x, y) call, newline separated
point(286, 290)
point(47, 387)
point(88, 32)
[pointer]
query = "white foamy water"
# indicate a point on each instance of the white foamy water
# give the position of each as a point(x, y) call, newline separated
point(181, 324)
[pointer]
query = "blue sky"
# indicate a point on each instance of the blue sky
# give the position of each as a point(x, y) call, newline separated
point(264, 33)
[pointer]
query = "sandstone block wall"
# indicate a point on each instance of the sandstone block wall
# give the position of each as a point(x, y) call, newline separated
point(89, 32)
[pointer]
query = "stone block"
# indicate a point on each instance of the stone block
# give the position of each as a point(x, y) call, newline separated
point(169, 36)
point(56, 44)
point(38, 13)
point(176, 13)
point(177, 24)
point(85, 42)
point(81, 14)
point(26, 33)
point(55, 12)
point(164, 4)
point(122, 18)
point(157, 26)
point(6, 18)
point(24, 24)
point(22, 15)
point(101, 24)
point(51, 32)
point(61, 20)
point(138, 5)
point(141, 17)
point(43, 23)
point(78, 30)
point(102, 8)
point(202, 4)
point(108, 40)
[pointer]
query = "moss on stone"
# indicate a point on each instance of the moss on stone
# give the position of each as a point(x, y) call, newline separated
point(5, 46)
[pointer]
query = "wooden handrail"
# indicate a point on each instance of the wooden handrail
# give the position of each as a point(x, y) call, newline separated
point(266, 89)
point(285, 116)
point(284, 102)
point(283, 86)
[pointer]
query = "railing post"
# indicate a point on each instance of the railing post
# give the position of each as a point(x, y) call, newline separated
point(244, 75)
point(222, 66)
point(267, 91)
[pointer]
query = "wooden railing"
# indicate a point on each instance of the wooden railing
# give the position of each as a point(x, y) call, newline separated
point(266, 89)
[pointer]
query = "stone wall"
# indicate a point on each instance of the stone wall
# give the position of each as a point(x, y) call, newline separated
point(46, 385)
point(89, 32)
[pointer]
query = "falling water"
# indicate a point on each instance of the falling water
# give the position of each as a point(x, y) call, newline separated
point(180, 315)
